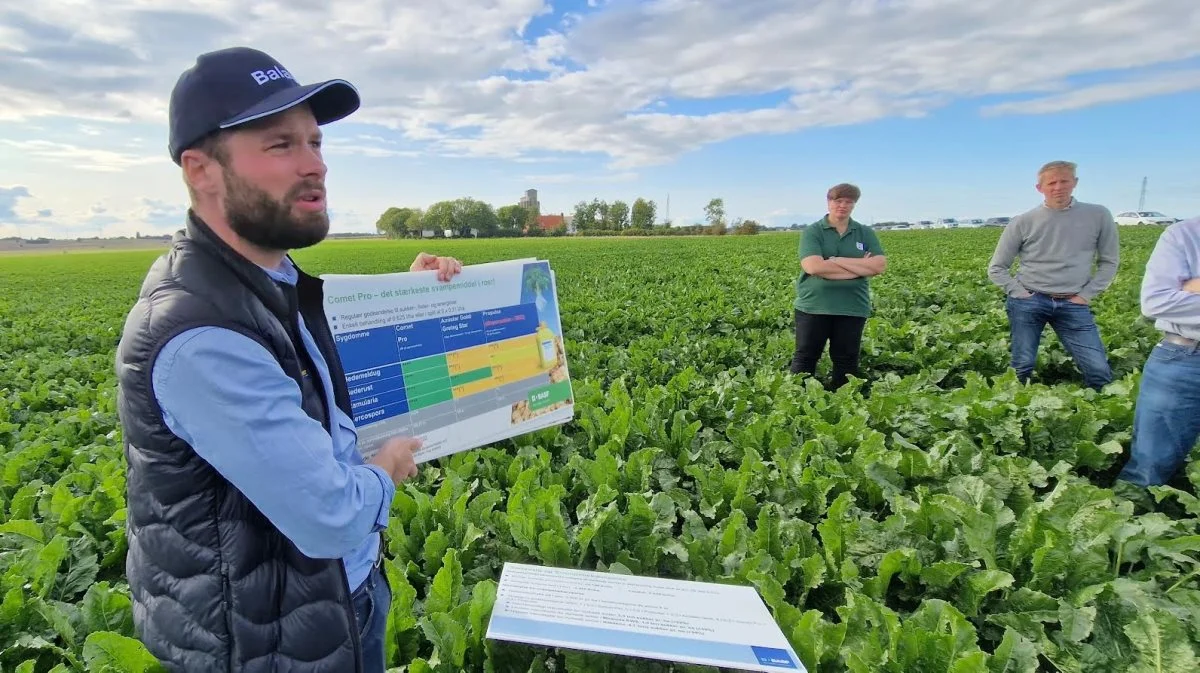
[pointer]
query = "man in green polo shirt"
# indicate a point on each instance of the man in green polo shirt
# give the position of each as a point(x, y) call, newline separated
point(833, 300)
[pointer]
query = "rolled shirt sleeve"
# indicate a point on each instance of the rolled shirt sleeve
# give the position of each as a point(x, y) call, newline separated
point(226, 396)
point(1174, 261)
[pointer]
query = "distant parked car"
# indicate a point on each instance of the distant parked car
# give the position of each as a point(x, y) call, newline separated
point(972, 223)
point(997, 222)
point(947, 223)
point(1134, 217)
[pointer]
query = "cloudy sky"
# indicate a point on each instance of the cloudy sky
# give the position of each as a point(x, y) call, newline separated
point(934, 107)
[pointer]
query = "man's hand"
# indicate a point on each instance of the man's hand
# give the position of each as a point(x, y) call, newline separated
point(446, 267)
point(396, 458)
point(1192, 285)
point(1076, 299)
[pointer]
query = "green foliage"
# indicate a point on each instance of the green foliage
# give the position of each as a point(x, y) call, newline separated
point(399, 222)
point(940, 518)
point(643, 213)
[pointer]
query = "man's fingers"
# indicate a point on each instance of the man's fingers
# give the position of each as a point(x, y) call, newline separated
point(420, 262)
point(448, 267)
point(410, 443)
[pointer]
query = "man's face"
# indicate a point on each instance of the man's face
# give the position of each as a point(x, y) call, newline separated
point(274, 182)
point(841, 208)
point(1057, 185)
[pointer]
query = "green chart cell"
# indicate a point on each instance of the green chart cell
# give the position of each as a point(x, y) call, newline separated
point(428, 369)
point(436, 396)
point(471, 376)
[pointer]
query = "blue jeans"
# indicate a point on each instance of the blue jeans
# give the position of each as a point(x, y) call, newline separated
point(1076, 329)
point(1166, 420)
point(372, 602)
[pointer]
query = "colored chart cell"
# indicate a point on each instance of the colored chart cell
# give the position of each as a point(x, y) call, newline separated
point(418, 367)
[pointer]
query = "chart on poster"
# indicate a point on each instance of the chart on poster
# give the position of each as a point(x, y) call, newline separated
point(459, 363)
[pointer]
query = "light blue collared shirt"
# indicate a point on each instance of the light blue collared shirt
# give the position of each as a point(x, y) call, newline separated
point(227, 397)
point(1174, 261)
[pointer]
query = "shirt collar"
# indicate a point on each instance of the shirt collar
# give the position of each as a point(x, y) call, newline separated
point(286, 273)
point(850, 224)
point(1066, 207)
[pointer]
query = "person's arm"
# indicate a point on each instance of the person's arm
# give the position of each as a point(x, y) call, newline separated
point(815, 265)
point(873, 264)
point(1108, 257)
point(1007, 249)
point(226, 396)
point(813, 262)
point(1168, 272)
point(863, 267)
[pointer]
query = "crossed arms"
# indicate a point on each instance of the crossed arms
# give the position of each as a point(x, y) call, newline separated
point(844, 268)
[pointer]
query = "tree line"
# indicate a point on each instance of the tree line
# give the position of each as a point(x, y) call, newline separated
point(467, 217)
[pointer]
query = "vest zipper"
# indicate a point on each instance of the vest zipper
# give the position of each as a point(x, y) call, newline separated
point(292, 295)
point(227, 602)
point(348, 606)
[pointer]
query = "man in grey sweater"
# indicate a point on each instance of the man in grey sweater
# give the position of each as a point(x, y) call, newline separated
point(1056, 243)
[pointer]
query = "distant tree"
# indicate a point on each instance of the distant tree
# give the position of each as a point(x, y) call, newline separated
point(413, 220)
point(474, 214)
point(512, 219)
point(642, 216)
point(617, 217)
point(439, 217)
point(714, 213)
point(532, 213)
point(396, 222)
point(747, 227)
point(585, 215)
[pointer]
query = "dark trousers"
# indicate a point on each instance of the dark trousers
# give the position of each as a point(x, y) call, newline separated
point(844, 335)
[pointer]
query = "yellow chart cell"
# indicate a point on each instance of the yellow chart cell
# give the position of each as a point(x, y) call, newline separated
point(474, 387)
point(514, 357)
point(468, 359)
point(508, 373)
point(515, 343)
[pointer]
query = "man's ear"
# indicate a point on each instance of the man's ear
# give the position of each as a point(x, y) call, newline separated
point(200, 171)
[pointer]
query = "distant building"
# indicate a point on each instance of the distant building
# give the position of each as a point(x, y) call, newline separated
point(530, 200)
point(549, 223)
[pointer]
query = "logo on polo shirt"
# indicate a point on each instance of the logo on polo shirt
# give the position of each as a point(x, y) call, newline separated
point(264, 76)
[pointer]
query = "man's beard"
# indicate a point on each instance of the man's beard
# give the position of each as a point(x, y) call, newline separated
point(269, 223)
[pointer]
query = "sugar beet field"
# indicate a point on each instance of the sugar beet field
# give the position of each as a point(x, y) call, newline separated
point(951, 520)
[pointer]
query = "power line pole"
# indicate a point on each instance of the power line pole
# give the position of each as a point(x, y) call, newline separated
point(1142, 199)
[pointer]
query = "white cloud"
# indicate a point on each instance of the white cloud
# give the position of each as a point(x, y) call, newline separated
point(1112, 92)
point(367, 146)
point(20, 215)
point(80, 158)
point(567, 178)
point(602, 82)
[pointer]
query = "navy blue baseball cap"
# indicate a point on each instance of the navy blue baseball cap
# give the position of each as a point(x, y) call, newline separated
point(233, 86)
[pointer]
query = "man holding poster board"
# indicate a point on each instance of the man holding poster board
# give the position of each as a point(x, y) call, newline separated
point(254, 524)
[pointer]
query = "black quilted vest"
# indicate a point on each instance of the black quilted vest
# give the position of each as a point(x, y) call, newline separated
point(216, 586)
